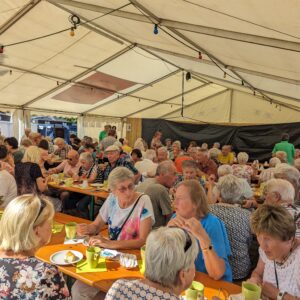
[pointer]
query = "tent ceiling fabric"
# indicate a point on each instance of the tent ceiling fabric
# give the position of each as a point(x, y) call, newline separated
point(116, 66)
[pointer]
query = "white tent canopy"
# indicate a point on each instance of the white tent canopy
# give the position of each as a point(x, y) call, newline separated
point(116, 66)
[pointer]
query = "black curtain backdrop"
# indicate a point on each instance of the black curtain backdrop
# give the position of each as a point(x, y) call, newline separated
point(258, 140)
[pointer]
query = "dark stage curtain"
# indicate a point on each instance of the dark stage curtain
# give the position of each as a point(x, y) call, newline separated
point(258, 141)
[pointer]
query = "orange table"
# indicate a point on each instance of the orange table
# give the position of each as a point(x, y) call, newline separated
point(104, 280)
point(91, 191)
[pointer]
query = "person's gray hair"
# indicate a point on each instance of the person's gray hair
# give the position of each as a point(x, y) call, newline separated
point(230, 189)
point(217, 144)
point(297, 163)
point(86, 156)
point(58, 139)
point(283, 187)
point(282, 156)
point(118, 175)
point(224, 170)
point(150, 154)
point(164, 168)
point(213, 153)
point(242, 158)
point(178, 143)
point(274, 161)
point(165, 255)
point(163, 149)
point(287, 172)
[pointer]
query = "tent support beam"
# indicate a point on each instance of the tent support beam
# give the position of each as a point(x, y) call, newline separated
point(132, 92)
point(229, 67)
point(275, 101)
point(169, 99)
point(18, 15)
point(230, 106)
point(64, 80)
point(224, 81)
point(210, 31)
point(128, 48)
point(196, 102)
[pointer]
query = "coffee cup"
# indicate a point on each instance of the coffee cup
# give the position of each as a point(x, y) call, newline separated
point(92, 256)
point(251, 291)
point(195, 291)
point(143, 266)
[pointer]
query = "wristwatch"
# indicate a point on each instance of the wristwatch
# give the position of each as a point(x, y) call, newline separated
point(280, 295)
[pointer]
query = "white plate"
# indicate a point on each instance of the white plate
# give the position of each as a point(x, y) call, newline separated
point(58, 258)
point(97, 185)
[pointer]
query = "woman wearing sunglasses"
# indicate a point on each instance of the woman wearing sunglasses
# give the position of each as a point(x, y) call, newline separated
point(25, 227)
point(192, 214)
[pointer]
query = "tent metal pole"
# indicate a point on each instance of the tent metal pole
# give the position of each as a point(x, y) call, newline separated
point(210, 31)
point(229, 67)
point(243, 89)
point(18, 15)
point(169, 99)
point(230, 106)
point(128, 48)
point(196, 102)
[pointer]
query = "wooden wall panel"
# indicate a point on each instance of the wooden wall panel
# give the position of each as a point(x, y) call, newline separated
point(133, 130)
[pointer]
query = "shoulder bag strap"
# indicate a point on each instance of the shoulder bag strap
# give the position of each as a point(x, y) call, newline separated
point(135, 204)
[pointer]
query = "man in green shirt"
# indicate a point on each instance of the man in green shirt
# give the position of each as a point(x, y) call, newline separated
point(104, 133)
point(285, 146)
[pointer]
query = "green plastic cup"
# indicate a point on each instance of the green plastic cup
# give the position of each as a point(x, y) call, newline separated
point(70, 230)
point(92, 256)
point(195, 291)
point(251, 291)
point(143, 267)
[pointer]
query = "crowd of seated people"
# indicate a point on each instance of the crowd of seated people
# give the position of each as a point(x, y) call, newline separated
point(212, 196)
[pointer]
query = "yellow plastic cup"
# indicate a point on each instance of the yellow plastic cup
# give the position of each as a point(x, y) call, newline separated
point(70, 230)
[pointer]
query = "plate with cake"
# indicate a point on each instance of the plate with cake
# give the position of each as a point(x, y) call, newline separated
point(66, 257)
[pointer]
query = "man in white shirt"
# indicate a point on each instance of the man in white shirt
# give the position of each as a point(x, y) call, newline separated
point(147, 167)
point(8, 188)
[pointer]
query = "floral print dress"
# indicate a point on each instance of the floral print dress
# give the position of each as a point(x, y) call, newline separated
point(30, 278)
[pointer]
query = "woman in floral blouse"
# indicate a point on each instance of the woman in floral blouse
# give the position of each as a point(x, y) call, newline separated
point(25, 227)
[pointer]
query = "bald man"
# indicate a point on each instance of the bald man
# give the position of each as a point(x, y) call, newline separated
point(70, 166)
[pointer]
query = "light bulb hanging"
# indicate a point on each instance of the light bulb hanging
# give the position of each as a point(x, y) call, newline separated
point(155, 31)
point(200, 55)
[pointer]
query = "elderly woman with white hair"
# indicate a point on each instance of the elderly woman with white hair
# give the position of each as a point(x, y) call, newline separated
point(268, 174)
point(291, 174)
point(147, 167)
point(281, 192)
point(129, 216)
point(278, 269)
point(192, 213)
point(169, 267)
point(224, 170)
point(25, 227)
point(237, 223)
point(241, 169)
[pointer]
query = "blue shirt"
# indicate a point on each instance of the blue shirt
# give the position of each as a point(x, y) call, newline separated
point(217, 233)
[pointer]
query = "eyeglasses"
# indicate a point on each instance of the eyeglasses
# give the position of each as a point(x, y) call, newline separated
point(188, 240)
point(43, 205)
point(123, 189)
